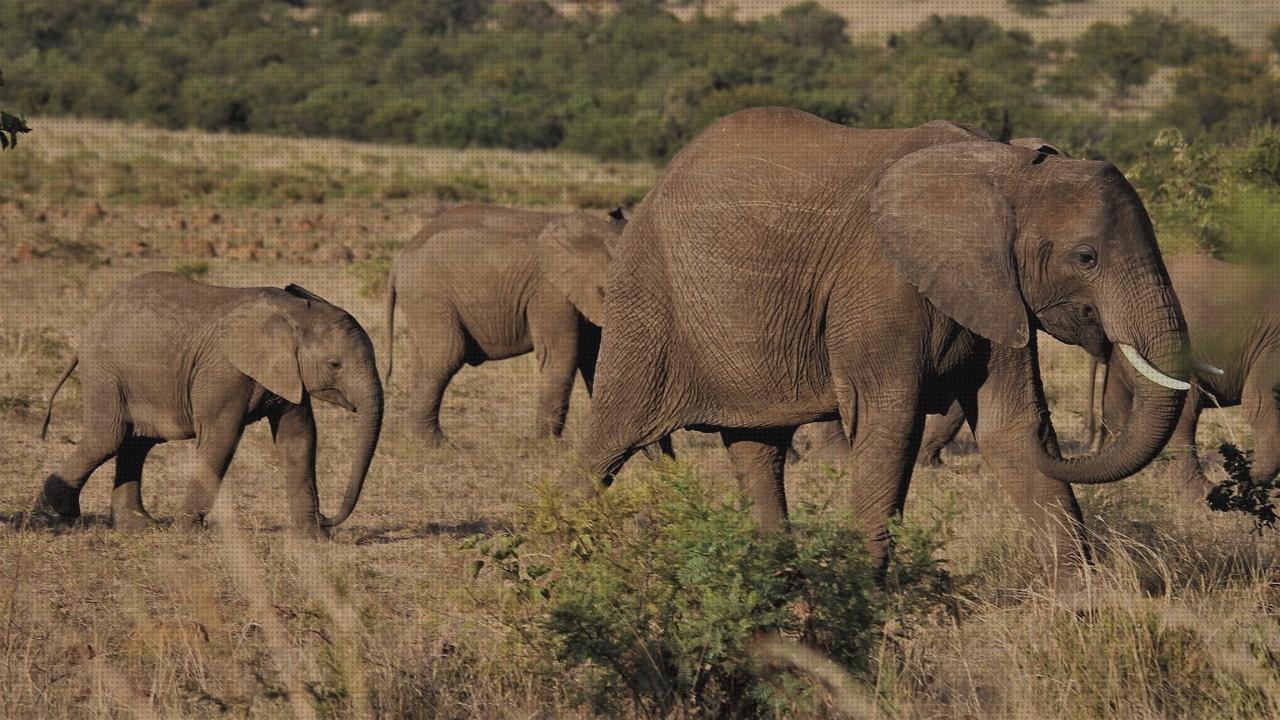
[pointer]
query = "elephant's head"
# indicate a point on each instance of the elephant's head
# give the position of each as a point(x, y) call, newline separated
point(294, 343)
point(1008, 239)
point(574, 253)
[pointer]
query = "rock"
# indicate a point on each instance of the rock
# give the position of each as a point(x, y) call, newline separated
point(335, 253)
point(242, 252)
point(215, 218)
point(42, 216)
point(197, 247)
point(25, 252)
point(92, 212)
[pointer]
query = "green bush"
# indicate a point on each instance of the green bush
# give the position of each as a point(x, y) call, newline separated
point(647, 598)
point(194, 269)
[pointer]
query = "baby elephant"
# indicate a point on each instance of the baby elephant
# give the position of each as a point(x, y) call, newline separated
point(486, 282)
point(168, 358)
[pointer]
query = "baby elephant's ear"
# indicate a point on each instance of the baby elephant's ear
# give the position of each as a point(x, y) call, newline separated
point(574, 257)
point(305, 294)
point(943, 215)
point(1040, 145)
point(258, 339)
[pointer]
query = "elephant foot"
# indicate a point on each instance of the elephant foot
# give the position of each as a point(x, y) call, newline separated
point(132, 520)
point(435, 440)
point(58, 502)
point(312, 531)
point(191, 520)
point(931, 458)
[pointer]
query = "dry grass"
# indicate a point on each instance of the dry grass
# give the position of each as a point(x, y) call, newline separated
point(386, 621)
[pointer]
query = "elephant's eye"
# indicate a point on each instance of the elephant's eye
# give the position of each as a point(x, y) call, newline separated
point(1084, 256)
point(335, 363)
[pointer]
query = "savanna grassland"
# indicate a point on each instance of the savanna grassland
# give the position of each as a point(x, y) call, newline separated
point(1179, 618)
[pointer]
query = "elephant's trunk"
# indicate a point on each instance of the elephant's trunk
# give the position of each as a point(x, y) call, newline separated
point(1160, 359)
point(369, 410)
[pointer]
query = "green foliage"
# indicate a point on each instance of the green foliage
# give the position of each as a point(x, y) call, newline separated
point(371, 274)
point(1127, 55)
point(194, 269)
point(1241, 492)
point(1036, 8)
point(658, 587)
point(10, 124)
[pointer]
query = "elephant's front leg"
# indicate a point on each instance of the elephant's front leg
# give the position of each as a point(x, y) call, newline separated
point(758, 458)
point(216, 440)
point(1008, 414)
point(1188, 476)
point(1261, 403)
point(294, 432)
point(886, 440)
point(554, 330)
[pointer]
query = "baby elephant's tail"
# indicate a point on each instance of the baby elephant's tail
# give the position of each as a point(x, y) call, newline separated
point(48, 413)
point(391, 323)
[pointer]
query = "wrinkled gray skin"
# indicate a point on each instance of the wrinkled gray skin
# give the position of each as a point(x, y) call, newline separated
point(1233, 317)
point(786, 270)
point(168, 358)
point(486, 282)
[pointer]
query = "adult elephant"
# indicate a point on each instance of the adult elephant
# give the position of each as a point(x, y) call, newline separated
point(786, 270)
point(486, 282)
point(1233, 317)
point(169, 358)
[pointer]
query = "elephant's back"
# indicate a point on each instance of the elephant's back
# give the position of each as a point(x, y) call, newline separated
point(753, 229)
point(470, 245)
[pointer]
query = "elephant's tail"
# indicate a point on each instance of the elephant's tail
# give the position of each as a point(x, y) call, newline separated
point(391, 324)
point(48, 412)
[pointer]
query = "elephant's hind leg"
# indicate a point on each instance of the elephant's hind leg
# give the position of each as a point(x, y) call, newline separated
point(939, 431)
point(441, 345)
point(127, 512)
point(758, 458)
point(104, 431)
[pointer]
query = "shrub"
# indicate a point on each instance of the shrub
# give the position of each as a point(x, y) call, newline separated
point(659, 587)
point(193, 269)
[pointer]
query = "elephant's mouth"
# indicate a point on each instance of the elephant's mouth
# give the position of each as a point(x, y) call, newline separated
point(333, 397)
point(1076, 323)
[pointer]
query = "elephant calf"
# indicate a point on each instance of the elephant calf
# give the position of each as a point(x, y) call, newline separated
point(486, 282)
point(168, 358)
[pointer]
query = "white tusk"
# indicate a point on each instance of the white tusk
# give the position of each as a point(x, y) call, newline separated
point(1149, 371)
point(1206, 367)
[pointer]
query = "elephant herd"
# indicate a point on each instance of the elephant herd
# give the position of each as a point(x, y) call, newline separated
point(784, 270)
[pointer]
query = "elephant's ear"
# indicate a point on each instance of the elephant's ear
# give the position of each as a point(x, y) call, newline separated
point(574, 254)
point(258, 339)
point(1040, 145)
point(944, 218)
point(301, 292)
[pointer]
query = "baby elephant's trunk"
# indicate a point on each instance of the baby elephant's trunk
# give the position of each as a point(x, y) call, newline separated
point(369, 410)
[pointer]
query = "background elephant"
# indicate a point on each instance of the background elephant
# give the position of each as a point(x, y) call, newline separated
point(168, 358)
point(1233, 318)
point(485, 282)
point(786, 270)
